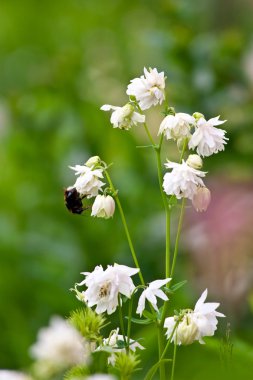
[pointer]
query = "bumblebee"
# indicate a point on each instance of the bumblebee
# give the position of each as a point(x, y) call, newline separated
point(73, 201)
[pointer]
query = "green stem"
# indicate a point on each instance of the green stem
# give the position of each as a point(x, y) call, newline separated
point(161, 349)
point(130, 310)
point(179, 228)
point(173, 362)
point(125, 227)
point(121, 321)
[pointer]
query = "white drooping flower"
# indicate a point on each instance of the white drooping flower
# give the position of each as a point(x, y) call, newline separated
point(60, 346)
point(103, 207)
point(114, 342)
point(183, 180)
point(194, 324)
point(88, 183)
point(13, 375)
point(124, 117)
point(201, 199)
point(208, 139)
point(148, 89)
point(150, 293)
point(104, 286)
point(177, 126)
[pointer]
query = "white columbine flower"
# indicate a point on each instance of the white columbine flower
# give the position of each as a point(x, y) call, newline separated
point(124, 117)
point(103, 287)
point(148, 89)
point(103, 207)
point(177, 126)
point(208, 139)
point(100, 376)
point(60, 346)
point(183, 180)
point(194, 324)
point(88, 183)
point(112, 342)
point(150, 293)
point(13, 375)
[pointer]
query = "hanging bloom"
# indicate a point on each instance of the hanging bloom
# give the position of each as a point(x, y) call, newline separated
point(194, 324)
point(177, 126)
point(103, 207)
point(183, 180)
point(103, 287)
point(201, 199)
point(88, 183)
point(124, 117)
point(150, 293)
point(148, 89)
point(60, 346)
point(114, 342)
point(208, 139)
point(13, 375)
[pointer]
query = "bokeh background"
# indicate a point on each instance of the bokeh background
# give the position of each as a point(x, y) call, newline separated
point(59, 62)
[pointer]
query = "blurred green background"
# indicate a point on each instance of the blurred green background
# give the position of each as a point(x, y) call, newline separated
point(59, 62)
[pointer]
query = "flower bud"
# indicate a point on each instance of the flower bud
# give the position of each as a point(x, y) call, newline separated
point(103, 207)
point(201, 199)
point(198, 115)
point(187, 331)
point(127, 110)
point(194, 161)
point(92, 161)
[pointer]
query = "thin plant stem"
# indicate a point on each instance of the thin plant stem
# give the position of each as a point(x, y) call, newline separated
point(121, 321)
point(130, 243)
point(161, 349)
point(174, 361)
point(130, 310)
point(179, 228)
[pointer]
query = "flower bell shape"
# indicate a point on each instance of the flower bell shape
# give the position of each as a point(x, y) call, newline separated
point(148, 89)
point(183, 180)
point(88, 182)
point(194, 324)
point(201, 199)
point(103, 207)
point(177, 126)
point(151, 293)
point(104, 286)
point(207, 138)
point(124, 117)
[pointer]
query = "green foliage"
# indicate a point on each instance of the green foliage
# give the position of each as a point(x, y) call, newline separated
point(126, 364)
point(88, 323)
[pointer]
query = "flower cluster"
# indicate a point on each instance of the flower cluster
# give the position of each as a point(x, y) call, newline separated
point(195, 324)
point(88, 185)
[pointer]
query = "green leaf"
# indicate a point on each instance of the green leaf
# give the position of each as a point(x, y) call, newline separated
point(149, 315)
point(141, 321)
point(154, 368)
point(178, 285)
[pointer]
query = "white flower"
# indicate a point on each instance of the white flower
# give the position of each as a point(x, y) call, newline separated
point(60, 345)
point(150, 293)
point(177, 126)
point(13, 375)
point(194, 161)
point(194, 324)
point(183, 181)
point(204, 315)
point(103, 207)
point(88, 183)
point(103, 287)
point(124, 117)
point(148, 89)
point(207, 138)
point(100, 376)
point(201, 199)
point(112, 342)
